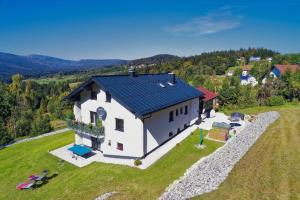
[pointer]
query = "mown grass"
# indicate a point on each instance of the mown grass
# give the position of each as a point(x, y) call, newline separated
point(271, 168)
point(21, 160)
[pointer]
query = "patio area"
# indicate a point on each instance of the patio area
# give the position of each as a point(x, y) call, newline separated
point(207, 123)
point(96, 156)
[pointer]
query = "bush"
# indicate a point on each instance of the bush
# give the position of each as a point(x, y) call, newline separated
point(99, 123)
point(70, 115)
point(295, 101)
point(137, 162)
point(90, 126)
point(275, 101)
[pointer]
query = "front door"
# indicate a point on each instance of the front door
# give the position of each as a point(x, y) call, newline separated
point(96, 143)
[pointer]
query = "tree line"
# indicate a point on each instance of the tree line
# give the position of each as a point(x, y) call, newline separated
point(26, 107)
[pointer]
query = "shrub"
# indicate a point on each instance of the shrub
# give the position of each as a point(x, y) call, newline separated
point(70, 115)
point(137, 162)
point(178, 145)
point(90, 126)
point(275, 101)
point(99, 123)
point(295, 101)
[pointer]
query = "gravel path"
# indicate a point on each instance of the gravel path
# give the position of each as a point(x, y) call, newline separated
point(209, 172)
point(40, 136)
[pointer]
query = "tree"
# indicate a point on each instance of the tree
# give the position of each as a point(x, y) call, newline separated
point(5, 110)
point(40, 124)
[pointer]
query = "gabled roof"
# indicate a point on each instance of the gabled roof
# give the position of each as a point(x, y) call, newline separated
point(208, 95)
point(144, 93)
point(284, 68)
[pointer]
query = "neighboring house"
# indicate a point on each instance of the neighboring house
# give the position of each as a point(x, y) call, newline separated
point(209, 101)
point(246, 78)
point(139, 112)
point(254, 59)
point(230, 73)
point(269, 59)
point(278, 70)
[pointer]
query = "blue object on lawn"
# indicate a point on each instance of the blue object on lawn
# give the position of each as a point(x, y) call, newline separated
point(80, 150)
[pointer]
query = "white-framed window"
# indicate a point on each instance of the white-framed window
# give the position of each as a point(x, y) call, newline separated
point(93, 117)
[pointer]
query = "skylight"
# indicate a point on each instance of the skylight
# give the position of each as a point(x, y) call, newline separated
point(162, 85)
point(171, 84)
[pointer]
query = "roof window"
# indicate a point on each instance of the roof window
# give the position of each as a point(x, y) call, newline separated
point(161, 85)
point(171, 84)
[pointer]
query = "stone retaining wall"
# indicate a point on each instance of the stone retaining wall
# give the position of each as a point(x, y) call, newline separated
point(209, 172)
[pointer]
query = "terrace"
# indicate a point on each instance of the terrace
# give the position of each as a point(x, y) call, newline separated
point(82, 128)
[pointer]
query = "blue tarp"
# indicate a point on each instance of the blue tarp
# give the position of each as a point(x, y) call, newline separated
point(80, 150)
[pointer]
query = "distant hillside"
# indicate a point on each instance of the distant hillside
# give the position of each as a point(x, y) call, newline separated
point(157, 59)
point(40, 65)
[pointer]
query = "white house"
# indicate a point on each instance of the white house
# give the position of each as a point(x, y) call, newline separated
point(230, 73)
point(246, 78)
point(138, 112)
point(254, 59)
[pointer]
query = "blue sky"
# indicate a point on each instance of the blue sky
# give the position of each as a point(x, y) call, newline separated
point(130, 29)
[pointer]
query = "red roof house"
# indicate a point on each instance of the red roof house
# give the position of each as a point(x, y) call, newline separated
point(284, 68)
point(208, 95)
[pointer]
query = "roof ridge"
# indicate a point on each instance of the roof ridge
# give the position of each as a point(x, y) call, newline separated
point(144, 74)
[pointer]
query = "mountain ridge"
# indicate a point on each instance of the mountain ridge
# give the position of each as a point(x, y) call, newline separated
point(35, 65)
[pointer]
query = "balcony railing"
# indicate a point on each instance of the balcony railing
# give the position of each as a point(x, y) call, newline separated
point(86, 129)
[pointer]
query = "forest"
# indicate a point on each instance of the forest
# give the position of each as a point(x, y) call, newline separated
point(29, 106)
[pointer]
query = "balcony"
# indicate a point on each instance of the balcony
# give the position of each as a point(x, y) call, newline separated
point(86, 129)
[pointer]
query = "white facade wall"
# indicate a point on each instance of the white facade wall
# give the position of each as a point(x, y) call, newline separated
point(158, 127)
point(131, 138)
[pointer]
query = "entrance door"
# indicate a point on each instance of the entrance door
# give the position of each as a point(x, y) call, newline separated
point(96, 143)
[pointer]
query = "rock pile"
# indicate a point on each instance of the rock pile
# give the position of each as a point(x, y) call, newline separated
point(208, 173)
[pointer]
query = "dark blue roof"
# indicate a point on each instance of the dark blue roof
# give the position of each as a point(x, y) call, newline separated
point(143, 94)
point(276, 71)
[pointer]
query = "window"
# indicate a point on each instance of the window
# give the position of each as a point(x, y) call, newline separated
point(170, 134)
point(108, 97)
point(162, 85)
point(171, 84)
point(93, 95)
point(120, 146)
point(93, 117)
point(171, 117)
point(119, 124)
point(176, 112)
point(185, 110)
point(181, 110)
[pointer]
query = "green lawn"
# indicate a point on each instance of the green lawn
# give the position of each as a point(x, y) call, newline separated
point(271, 168)
point(19, 161)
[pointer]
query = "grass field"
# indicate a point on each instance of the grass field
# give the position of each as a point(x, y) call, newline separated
point(271, 168)
point(21, 160)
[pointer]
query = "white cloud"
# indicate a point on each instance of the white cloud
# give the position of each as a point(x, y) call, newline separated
point(215, 21)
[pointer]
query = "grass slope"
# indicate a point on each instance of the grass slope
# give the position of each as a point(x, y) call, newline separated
point(19, 161)
point(271, 168)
